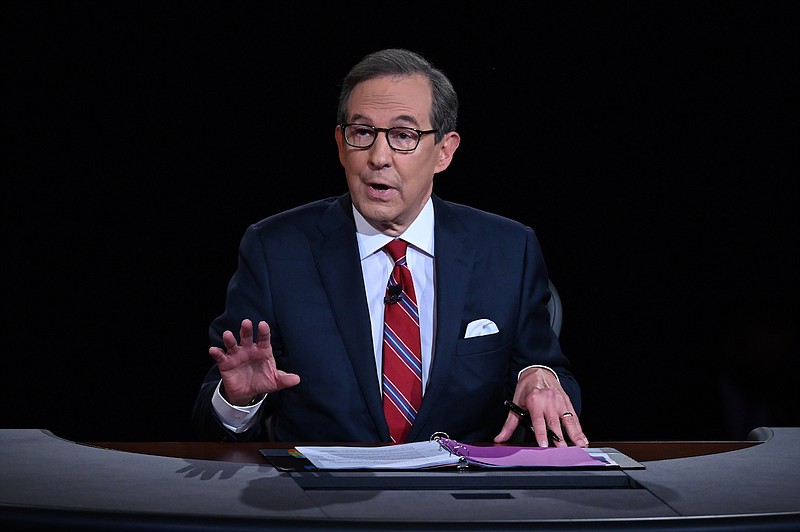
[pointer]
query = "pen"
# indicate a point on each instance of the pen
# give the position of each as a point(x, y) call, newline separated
point(526, 419)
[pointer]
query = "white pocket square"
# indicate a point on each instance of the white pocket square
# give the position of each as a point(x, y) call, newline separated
point(481, 327)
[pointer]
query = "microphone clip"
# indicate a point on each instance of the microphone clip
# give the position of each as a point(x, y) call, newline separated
point(395, 294)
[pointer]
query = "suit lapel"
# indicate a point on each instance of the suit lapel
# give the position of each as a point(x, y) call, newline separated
point(336, 255)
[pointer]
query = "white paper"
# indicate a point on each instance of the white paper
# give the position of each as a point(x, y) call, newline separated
point(403, 456)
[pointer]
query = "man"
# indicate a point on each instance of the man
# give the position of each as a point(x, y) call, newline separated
point(310, 292)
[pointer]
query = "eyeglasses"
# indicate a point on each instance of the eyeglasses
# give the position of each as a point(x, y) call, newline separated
point(399, 138)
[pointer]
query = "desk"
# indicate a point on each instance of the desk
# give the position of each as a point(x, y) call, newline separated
point(247, 453)
point(46, 481)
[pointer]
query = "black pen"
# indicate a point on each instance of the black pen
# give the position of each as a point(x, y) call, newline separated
point(526, 419)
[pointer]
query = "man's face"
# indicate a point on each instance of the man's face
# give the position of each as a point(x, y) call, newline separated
point(390, 188)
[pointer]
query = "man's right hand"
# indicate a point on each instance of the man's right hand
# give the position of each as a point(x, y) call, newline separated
point(248, 369)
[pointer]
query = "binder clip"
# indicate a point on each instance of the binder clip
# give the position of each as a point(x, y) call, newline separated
point(443, 440)
point(452, 447)
point(463, 456)
point(438, 436)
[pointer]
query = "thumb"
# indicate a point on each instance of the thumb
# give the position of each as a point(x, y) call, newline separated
point(287, 380)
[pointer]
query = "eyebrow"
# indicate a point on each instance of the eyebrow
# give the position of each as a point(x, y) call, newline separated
point(400, 118)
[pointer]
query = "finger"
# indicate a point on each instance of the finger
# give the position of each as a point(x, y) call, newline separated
point(508, 429)
point(246, 333)
point(572, 426)
point(556, 433)
point(229, 340)
point(540, 431)
point(217, 353)
point(540, 422)
point(262, 340)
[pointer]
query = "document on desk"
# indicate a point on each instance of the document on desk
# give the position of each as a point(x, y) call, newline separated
point(438, 453)
point(403, 456)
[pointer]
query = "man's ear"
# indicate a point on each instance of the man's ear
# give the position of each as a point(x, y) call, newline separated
point(339, 143)
point(448, 147)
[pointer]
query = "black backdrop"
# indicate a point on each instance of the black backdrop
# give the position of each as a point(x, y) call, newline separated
point(653, 149)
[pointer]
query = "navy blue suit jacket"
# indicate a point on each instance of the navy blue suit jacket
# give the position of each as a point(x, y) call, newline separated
point(300, 272)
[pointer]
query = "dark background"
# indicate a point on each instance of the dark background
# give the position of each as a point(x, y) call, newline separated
point(652, 148)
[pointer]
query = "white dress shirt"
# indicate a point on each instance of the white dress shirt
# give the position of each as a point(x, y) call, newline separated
point(377, 265)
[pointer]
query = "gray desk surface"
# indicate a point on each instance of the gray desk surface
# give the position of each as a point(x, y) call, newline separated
point(48, 480)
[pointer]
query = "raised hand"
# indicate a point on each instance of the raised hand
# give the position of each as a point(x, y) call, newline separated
point(248, 368)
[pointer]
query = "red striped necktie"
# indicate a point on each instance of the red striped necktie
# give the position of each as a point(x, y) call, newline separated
point(402, 354)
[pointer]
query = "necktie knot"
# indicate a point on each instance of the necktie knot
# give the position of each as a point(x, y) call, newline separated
point(396, 249)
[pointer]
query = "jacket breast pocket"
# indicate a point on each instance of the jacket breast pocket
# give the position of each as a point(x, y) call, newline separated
point(479, 344)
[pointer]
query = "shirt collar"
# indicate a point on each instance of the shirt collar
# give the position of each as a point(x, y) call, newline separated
point(419, 234)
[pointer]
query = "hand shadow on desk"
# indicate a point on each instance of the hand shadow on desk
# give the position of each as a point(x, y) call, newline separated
point(208, 470)
point(267, 492)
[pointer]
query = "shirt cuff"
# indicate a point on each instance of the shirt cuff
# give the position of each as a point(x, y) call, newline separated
point(236, 419)
point(538, 366)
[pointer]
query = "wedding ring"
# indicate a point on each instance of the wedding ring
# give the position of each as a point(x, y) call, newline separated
point(567, 414)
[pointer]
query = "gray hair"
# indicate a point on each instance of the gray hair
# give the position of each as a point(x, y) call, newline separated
point(400, 62)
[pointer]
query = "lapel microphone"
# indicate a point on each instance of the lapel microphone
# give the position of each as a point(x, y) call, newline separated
point(395, 294)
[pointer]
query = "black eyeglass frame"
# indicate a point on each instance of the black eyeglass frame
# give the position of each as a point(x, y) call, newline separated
point(386, 131)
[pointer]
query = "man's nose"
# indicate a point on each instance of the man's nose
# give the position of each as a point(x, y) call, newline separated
point(380, 152)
